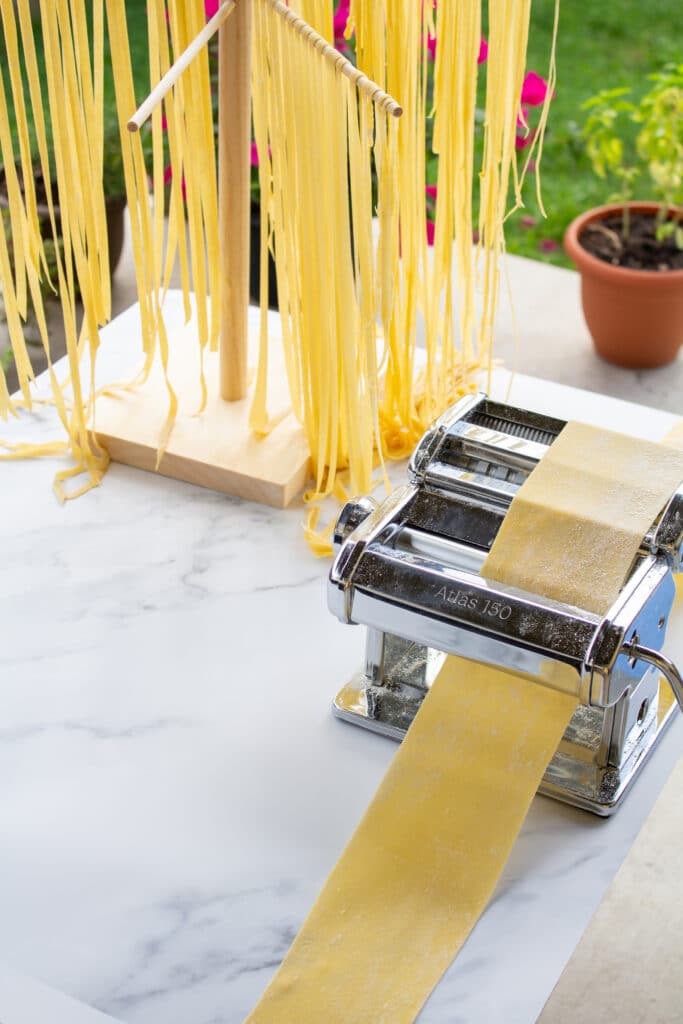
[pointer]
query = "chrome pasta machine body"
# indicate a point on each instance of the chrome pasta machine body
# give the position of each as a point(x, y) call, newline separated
point(409, 570)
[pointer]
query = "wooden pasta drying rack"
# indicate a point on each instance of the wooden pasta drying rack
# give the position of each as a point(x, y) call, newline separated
point(217, 449)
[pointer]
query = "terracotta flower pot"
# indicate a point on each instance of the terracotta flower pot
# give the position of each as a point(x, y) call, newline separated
point(635, 316)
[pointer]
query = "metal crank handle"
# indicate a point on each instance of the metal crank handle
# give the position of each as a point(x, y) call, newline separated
point(662, 664)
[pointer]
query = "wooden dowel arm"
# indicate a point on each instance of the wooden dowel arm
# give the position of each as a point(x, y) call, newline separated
point(364, 84)
point(145, 110)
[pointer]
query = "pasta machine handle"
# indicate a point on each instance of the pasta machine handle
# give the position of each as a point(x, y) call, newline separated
point(661, 663)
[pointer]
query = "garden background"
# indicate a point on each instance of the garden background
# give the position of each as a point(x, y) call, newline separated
point(599, 46)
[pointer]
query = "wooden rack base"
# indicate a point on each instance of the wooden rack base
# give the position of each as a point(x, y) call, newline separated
point(217, 449)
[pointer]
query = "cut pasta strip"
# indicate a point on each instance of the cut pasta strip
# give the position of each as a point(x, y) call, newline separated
point(326, 265)
point(72, 33)
point(77, 124)
point(316, 291)
point(351, 303)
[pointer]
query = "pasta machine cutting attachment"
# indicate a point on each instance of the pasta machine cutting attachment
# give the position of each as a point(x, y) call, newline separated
point(408, 569)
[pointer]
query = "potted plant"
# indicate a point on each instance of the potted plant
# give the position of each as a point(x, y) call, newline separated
point(630, 254)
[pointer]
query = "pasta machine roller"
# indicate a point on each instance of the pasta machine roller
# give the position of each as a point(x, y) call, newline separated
point(408, 569)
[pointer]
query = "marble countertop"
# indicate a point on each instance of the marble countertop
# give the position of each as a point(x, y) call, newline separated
point(173, 786)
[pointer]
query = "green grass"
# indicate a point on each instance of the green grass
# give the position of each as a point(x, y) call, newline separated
point(599, 46)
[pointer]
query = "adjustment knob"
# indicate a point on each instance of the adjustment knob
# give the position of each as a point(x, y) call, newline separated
point(668, 537)
point(351, 516)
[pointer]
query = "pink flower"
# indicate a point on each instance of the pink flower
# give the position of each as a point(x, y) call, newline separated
point(211, 8)
point(483, 51)
point(254, 155)
point(548, 245)
point(527, 221)
point(534, 90)
point(430, 232)
point(431, 40)
point(341, 16)
point(431, 191)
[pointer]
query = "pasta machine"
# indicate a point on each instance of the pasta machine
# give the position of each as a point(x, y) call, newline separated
point(408, 569)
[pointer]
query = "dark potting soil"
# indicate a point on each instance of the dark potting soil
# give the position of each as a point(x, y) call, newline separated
point(638, 250)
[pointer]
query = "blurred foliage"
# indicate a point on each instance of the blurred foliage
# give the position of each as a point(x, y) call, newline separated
point(599, 46)
point(654, 156)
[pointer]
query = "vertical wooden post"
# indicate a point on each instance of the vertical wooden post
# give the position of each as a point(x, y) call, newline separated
point(234, 137)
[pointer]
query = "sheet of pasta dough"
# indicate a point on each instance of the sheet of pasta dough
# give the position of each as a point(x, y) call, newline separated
point(576, 524)
point(424, 860)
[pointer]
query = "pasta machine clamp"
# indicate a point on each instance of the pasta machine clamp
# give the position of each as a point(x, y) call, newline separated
point(408, 569)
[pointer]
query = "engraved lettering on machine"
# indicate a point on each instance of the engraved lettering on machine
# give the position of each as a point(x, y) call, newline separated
point(483, 605)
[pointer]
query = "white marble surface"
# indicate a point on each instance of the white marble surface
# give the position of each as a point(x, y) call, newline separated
point(24, 1000)
point(173, 787)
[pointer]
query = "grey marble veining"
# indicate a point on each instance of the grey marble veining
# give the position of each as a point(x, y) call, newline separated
point(173, 787)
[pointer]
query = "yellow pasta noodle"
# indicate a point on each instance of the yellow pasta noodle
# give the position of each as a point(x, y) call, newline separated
point(71, 104)
point(391, 49)
point(310, 150)
point(77, 146)
point(352, 300)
